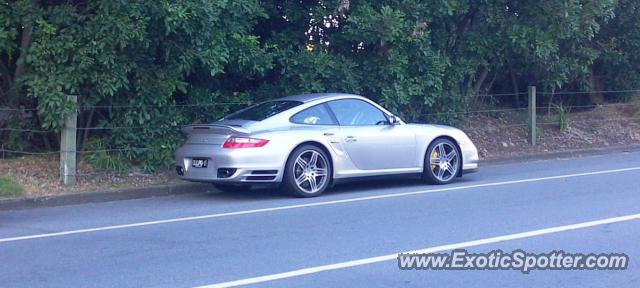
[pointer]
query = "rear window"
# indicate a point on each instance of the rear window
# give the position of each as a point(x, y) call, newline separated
point(262, 111)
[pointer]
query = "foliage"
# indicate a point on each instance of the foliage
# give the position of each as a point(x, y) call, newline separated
point(101, 158)
point(141, 69)
point(563, 117)
point(9, 187)
point(618, 64)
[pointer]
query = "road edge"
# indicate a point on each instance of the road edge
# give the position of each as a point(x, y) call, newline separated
point(195, 188)
point(564, 154)
point(104, 196)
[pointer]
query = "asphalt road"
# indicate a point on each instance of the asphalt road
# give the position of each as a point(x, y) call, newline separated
point(208, 239)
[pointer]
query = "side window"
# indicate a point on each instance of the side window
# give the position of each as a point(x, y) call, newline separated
point(316, 115)
point(353, 112)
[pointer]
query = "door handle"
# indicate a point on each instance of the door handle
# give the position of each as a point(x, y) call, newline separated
point(351, 139)
point(331, 137)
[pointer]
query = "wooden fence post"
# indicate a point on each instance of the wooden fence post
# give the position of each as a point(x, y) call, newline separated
point(68, 146)
point(532, 114)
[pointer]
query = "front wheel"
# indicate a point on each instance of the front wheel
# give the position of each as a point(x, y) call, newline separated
point(307, 172)
point(442, 162)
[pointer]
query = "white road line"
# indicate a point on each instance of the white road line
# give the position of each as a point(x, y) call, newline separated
point(324, 203)
point(460, 245)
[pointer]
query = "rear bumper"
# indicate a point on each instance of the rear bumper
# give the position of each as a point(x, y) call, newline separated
point(252, 165)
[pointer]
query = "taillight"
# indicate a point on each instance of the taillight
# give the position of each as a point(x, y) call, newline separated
point(244, 142)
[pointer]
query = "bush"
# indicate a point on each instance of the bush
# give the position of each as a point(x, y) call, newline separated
point(563, 117)
point(141, 69)
point(9, 187)
point(99, 157)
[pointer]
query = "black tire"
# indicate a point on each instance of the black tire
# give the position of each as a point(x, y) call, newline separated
point(289, 179)
point(231, 188)
point(430, 172)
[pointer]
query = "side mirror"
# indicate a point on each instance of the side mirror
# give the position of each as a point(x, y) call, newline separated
point(394, 120)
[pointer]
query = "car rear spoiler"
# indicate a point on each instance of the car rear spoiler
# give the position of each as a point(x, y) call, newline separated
point(213, 129)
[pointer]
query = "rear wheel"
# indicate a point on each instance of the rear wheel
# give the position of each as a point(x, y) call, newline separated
point(442, 162)
point(308, 172)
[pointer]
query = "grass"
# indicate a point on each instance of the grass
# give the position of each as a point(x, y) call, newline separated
point(563, 117)
point(9, 187)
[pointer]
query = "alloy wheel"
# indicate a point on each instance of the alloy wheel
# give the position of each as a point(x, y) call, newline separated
point(310, 171)
point(444, 161)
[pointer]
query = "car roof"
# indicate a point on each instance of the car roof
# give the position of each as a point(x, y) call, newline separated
point(316, 96)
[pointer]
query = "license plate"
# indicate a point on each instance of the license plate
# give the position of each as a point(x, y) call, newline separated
point(199, 163)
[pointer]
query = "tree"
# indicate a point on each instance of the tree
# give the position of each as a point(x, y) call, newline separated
point(143, 68)
point(617, 67)
point(139, 56)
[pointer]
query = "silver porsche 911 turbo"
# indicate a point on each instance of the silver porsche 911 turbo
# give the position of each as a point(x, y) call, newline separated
point(306, 142)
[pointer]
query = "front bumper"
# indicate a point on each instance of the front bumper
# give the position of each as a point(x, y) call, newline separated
point(470, 157)
point(249, 165)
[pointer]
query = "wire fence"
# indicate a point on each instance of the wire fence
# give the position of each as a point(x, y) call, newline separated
point(508, 118)
point(498, 112)
point(56, 152)
point(17, 109)
point(590, 92)
point(89, 107)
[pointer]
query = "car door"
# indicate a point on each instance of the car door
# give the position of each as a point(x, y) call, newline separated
point(370, 141)
point(319, 116)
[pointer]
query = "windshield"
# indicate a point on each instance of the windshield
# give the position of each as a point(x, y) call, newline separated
point(262, 111)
